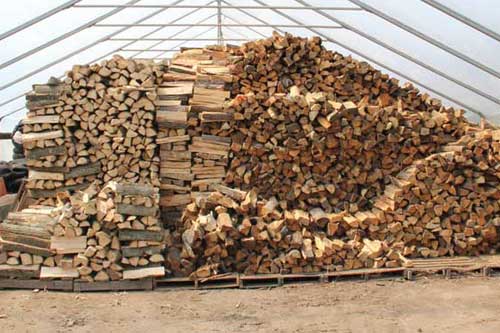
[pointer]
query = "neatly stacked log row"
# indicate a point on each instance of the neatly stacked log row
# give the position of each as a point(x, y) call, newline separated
point(26, 241)
point(195, 85)
point(55, 160)
point(131, 212)
point(99, 124)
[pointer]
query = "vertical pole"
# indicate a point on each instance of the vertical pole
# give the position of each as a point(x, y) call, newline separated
point(220, 38)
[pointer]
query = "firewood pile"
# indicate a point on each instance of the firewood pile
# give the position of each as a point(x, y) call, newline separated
point(278, 156)
point(313, 151)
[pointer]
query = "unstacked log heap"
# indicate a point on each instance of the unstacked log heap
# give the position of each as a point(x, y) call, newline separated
point(131, 213)
point(190, 104)
point(445, 204)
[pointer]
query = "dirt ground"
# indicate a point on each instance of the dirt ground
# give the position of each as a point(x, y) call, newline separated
point(426, 305)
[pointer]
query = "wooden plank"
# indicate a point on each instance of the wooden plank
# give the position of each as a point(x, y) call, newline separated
point(84, 170)
point(213, 117)
point(169, 102)
point(175, 200)
point(67, 245)
point(146, 235)
point(58, 273)
point(40, 175)
point(31, 137)
point(134, 189)
point(125, 285)
point(173, 187)
point(28, 240)
point(25, 230)
point(172, 139)
point(141, 273)
point(36, 193)
point(171, 117)
point(127, 209)
point(21, 271)
point(13, 246)
point(52, 119)
point(36, 284)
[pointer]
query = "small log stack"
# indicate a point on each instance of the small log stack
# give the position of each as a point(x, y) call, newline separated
point(193, 93)
point(26, 241)
point(132, 212)
point(96, 125)
point(55, 160)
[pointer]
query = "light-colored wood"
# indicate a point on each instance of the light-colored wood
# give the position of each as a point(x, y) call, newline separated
point(58, 273)
point(143, 273)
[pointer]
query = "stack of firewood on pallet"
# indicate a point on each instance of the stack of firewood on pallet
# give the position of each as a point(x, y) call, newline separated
point(193, 93)
point(131, 212)
point(94, 127)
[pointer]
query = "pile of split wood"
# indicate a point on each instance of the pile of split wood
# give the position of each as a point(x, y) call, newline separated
point(445, 204)
point(278, 156)
point(98, 124)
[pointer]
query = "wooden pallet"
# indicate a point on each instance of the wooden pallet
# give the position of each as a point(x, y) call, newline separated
point(447, 267)
point(56, 285)
point(122, 285)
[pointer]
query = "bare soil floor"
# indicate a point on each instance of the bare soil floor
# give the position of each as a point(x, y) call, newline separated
point(426, 305)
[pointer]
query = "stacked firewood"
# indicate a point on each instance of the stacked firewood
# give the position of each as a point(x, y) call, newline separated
point(26, 241)
point(273, 65)
point(233, 231)
point(312, 151)
point(192, 96)
point(97, 124)
point(131, 212)
point(55, 161)
point(445, 204)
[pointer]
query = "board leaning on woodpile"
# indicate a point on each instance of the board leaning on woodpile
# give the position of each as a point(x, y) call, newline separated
point(281, 157)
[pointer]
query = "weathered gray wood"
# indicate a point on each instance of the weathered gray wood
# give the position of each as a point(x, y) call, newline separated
point(28, 240)
point(34, 154)
point(12, 246)
point(136, 189)
point(140, 251)
point(146, 235)
point(22, 271)
point(36, 284)
point(143, 284)
point(127, 209)
point(84, 170)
